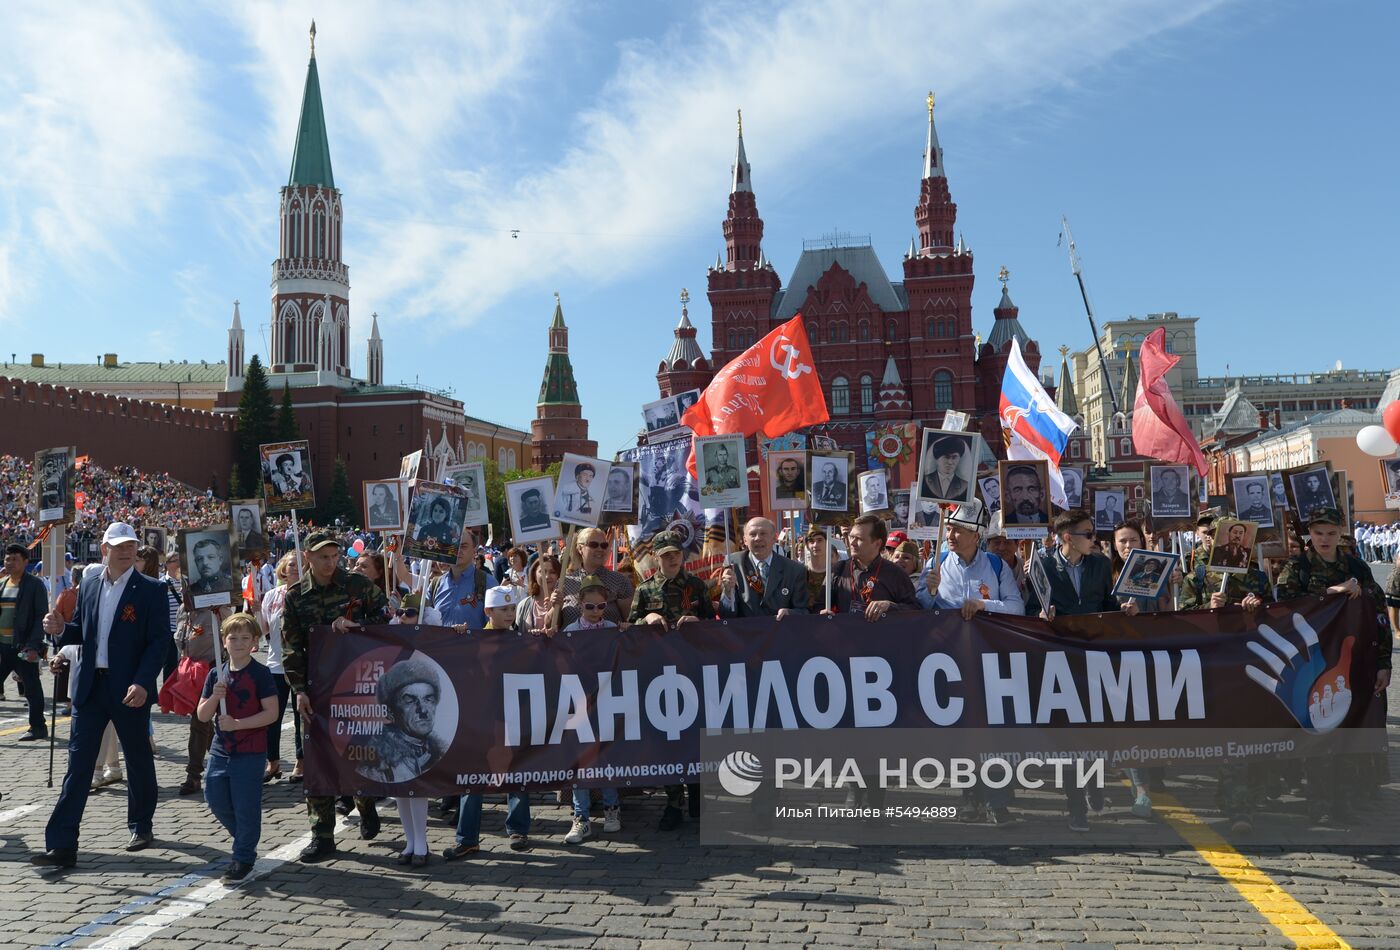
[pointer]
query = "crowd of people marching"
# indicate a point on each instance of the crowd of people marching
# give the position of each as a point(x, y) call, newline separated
point(132, 605)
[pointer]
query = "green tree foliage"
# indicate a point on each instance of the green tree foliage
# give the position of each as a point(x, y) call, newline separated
point(287, 428)
point(235, 485)
point(256, 423)
point(339, 503)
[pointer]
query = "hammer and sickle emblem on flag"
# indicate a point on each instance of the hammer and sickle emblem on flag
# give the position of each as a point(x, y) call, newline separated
point(789, 367)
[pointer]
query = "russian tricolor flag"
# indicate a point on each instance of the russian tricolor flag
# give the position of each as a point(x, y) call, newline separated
point(1034, 426)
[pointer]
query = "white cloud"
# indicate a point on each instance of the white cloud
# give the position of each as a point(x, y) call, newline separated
point(100, 123)
point(647, 163)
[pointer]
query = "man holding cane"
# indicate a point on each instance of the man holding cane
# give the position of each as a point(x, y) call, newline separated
point(123, 626)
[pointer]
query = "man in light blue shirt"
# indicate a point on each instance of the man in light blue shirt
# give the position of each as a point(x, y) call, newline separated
point(966, 577)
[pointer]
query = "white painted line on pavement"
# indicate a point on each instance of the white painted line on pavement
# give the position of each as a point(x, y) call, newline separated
point(10, 814)
point(144, 928)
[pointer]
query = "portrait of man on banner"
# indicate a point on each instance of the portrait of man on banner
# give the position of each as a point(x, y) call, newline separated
point(721, 471)
point(579, 498)
point(421, 704)
point(1232, 545)
point(787, 480)
point(245, 516)
point(471, 478)
point(207, 557)
point(829, 475)
point(874, 491)
point(1252, 499)
point(527, 502)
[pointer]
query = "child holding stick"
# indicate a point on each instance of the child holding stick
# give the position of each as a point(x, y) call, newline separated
point(243, 694)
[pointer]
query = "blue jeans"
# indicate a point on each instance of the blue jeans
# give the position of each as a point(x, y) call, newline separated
point(469, 816)
point(581, 800)
point(233, 789)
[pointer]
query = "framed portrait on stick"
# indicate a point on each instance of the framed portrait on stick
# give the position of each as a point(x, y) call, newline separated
point(527, 502)
point(989, 487)
point(1231, 545)
point(471, 478)
point(410, 464)
point(787, 480)
point(1252, 496)
point(831, 496)
point(1310, 488)
point(721, 472)
point(1170, 491)
point(1390, 481)
point(1109, 507)
point(207, 556)
point(1073, 476)
point(1145, 574)
point(55, 485)
point(384, 507)
point(874, 492)
point(578, 499)
point(1025, 497)
point(925, 517)
point(154, 537)
point(286, 476)
point(245, 517)
point(947, 464)
point(899, 509)
point(620, 495)
point(435, 522)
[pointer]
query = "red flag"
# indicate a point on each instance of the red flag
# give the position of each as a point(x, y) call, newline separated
point(1160, 431)
point(771, 388)
point(249, 595)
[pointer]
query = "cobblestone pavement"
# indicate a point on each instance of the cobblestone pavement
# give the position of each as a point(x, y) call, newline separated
point(644, 889)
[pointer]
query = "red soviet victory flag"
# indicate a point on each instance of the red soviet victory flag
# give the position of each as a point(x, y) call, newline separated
point(771, 388)
point(1160, 431)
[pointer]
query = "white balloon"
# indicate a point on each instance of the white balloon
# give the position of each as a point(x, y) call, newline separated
point(1375, 441)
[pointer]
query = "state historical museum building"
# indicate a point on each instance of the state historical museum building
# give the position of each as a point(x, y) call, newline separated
point(887, 352)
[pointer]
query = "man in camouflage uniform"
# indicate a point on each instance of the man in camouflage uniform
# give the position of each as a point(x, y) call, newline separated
point(1334, 781)
point(326, 595)
point(671, 597)
point(1240, 788)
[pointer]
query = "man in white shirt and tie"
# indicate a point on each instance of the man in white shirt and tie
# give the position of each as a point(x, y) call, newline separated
point(759, 582)
point(123, 626)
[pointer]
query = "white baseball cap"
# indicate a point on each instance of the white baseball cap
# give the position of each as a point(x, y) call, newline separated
point(119, 532)
point(500, 597)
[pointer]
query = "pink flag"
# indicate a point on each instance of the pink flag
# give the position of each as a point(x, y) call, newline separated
point(1160, 431)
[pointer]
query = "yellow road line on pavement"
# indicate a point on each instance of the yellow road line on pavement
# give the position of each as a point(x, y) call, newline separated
point(18, 729)
point(1275, 904)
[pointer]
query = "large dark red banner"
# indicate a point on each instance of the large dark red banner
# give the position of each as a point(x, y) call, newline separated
point(428, 711)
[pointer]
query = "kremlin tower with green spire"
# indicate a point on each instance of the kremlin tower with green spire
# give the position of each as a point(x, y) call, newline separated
point(559, 426)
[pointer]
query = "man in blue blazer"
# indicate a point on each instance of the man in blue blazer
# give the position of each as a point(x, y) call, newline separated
point(123, 625)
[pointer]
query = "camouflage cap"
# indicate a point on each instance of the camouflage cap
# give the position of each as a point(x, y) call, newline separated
point(1326, 516)
point(591, 582)
point(319, 539)
point(666, 541)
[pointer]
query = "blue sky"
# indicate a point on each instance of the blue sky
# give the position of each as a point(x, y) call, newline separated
point(1232, 161)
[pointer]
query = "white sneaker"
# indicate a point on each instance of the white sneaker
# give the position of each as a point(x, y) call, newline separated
point(612, 820)
point(109, 776)
point(581, 831)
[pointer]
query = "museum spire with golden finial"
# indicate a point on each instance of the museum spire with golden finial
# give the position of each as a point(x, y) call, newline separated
point(933, 152)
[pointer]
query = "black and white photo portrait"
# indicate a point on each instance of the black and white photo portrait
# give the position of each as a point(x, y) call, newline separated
point(924, 516)
point(410, 463)
point(661, 481)
point(1073, 477)
point(1312, 489)
point(579, 498)
point(1280, 494)
point(471, 478)
point(946, 466)
point(55, 484)
point(1108, 508)
point(207, 558)
point(899, 506)
point(1025, 493)
point(720, 470)
point(435, 522)
point(384, 505)
point(990, 487)
point(1390, 476)
point(246, 518)
point(154, 538)
point(286, 471)
point(661, 415)
point(527, 501)
point(1171, 496)
point(620, 493)
point(1252, 499)
point(787, 480)
point(829, 478)
point(684, 401)
point(874, 491)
